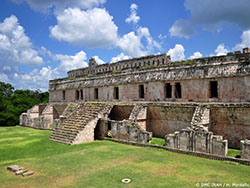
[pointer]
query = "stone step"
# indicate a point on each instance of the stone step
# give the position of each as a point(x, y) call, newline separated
point(61, 141)
point(58, 136)
point(63, 137)
point(64, 133)
point(67, 130)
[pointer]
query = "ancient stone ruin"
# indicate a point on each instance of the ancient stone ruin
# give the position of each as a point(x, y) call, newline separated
point(199, 105)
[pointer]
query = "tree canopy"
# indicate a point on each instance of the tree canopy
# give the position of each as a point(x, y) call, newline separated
point(14, 102)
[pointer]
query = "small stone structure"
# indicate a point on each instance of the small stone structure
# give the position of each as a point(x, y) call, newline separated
point(128, 131)
point(198, 139)
point(245, 149)
point(42, 116)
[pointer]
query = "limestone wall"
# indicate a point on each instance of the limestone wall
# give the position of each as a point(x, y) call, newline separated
point(163, 120)
point(231, 72)
point(232, 121)
point(128, 132)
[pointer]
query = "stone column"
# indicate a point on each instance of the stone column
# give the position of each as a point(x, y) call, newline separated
point(173, 90)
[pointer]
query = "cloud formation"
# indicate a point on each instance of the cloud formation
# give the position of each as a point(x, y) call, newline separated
point(133, 15)
point(221, 50)
point(15, 45)
point(177, 53)
point(119, 57)
point(182, 28)
point(245, 41)
point(211, 14)
point(93, 28)
point(43, 5)
point(196, 55)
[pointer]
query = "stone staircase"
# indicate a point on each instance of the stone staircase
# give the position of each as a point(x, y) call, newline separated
point(201, 116)
point(70, 128)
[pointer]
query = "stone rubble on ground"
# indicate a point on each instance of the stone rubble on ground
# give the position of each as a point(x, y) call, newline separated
point(19, 170)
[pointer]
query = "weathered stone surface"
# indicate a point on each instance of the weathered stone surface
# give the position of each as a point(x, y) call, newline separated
point(13, 168)
point(231, 73)
point(19, 172)
point(245, 149)
point(125, 130)
point(198, 139)
point(29, 173)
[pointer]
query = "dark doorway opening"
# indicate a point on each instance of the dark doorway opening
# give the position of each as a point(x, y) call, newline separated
point(141, 91)
point(213, 89)
point(120, 113)
point(96, 93)
point(116, 93)
point(63, 95)
point(168, 90)
point(81, 94)
point(178, 90)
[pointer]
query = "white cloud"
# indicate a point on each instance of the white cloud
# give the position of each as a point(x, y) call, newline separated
point(4, 78)
point(177, 53)
point(133, 14)
point(91, 28)
point(134, 45)
point(182, 28)
point(196, 55)
point(43, 5)
point(98, 60)
point(221, 50)
point(119, 57)
point(37, 79)
point(144, 32)
point(15, 46)
point(68, 62)
point(245, 37)
point(131, 44)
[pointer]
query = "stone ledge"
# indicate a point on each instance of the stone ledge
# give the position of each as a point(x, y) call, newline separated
point(197, 154)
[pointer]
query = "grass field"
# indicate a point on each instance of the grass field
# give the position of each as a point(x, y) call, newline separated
point(104, 163)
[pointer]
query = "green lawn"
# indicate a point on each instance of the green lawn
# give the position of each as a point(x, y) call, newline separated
point(104, 163)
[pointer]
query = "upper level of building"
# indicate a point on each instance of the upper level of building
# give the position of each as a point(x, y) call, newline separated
point(220, 78)
point(124, 65)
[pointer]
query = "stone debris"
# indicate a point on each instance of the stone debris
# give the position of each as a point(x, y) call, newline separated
point(29, 173)
point(19, 170)
point(14, 168)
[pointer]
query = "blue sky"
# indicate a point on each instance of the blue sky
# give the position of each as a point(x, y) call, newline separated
point(41, 40)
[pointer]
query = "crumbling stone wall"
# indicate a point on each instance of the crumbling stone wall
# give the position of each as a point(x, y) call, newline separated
point(166, 119)
point(129, 132)
point(232, 121)
point(198, 139)
point(41, 116)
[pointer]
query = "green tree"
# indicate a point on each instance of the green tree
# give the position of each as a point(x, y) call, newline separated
point(14, 102)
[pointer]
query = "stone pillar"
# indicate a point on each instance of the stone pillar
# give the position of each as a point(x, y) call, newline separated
point(173, 90)
point(245, 149)
point(219, 146)
point(186, 140)
point(170, 141)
